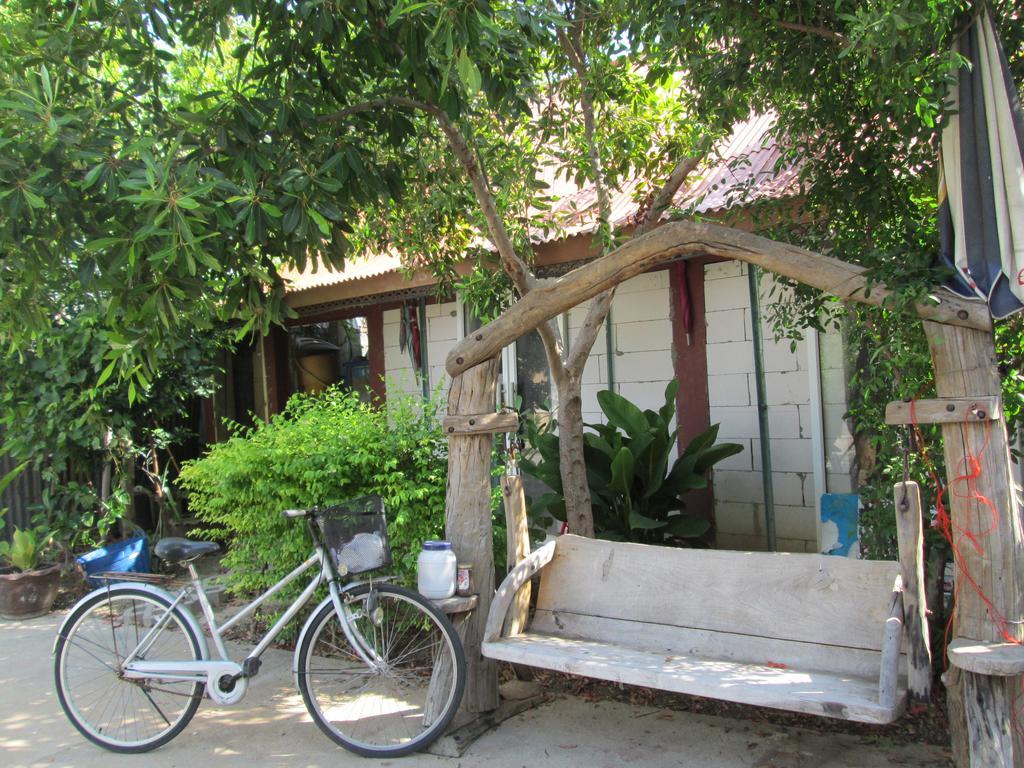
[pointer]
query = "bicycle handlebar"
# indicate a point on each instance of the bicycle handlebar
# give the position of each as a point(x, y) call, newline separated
point(290, 513)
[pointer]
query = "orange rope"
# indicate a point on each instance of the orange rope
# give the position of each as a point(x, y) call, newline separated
point(964, 486)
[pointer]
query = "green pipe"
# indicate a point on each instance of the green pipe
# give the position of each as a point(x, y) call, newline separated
point(609, 346)
point(762, 408)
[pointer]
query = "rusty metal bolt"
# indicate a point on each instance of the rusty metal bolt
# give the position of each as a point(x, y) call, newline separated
point(962, 314)
point(950, 407)
point(472, 422)
point(981, 415)
point(451, 429)
point(458, 361)
point(479, 336)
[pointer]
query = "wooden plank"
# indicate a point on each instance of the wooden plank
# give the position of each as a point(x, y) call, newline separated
point(813, 598)
point(945, 410)
point(506, 593)
point(457, 603)
point(999, 659)
point(888, 678)
point(688, 239)
point(965, 368)
point(666, 639)
point(988, 707)
point(518, 543)
point(910, 532)
point(480, 423)
point(798, 690)
point(468, 523)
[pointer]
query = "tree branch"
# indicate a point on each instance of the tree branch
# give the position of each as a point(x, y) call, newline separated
point(584, 342)
point(579, 351)
point(663, 199)
point(809, 29)
point(516, 268)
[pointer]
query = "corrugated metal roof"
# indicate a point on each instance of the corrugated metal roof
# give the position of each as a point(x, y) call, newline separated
point(360, 268)
point(742, 171)
point(746, 167)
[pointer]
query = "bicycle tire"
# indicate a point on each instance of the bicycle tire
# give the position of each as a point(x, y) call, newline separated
point(396, 710)
point(118, 714)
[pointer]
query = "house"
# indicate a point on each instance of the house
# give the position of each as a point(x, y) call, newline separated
point(690, 320)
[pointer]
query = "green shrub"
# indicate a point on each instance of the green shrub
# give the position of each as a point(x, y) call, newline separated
point(634, 493)
point(321, 450)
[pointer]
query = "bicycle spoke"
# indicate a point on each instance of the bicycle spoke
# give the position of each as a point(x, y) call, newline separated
point(127, 715)
point(406, 699)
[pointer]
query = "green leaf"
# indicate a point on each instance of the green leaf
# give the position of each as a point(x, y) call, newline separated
point(621, 413)
point(404, 10)
point(44, 76)
point(638, 522)
point(321, 222)
point(711, 456)
point(668, 410)
point(468, 73)
point(106, 373)
point(11, 476)
point(93, 175)
point(622, 472)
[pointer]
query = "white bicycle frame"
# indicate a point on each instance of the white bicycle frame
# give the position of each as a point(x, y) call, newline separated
point(213, 672)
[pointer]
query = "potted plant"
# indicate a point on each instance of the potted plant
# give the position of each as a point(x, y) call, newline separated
point(28, 586)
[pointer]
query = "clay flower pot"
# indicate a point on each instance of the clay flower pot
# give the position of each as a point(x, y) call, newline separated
point(25, 594)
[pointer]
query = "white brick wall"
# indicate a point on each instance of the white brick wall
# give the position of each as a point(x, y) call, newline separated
point(739, 493)
point(440, 338)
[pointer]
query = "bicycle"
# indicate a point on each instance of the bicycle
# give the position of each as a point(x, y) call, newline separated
point(380, 669)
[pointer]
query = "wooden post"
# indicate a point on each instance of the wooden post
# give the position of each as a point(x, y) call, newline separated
point(965, 366)
point(518, 546)
point(915, 620)
point(468, 521)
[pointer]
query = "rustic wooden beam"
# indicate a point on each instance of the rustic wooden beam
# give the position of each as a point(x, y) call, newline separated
point(944, 410)
point(468, 522)
point(889, 671)
point(965, 367)
point(989, 705)
point(480, 423)
point(909, 527)
point(688, 239)
point(518, 546)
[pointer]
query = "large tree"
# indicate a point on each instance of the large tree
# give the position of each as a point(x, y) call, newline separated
point(173, 154)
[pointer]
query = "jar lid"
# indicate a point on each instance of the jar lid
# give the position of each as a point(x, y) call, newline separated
point(437, 546)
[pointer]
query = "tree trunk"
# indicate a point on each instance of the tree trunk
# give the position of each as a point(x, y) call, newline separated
point(575, 488)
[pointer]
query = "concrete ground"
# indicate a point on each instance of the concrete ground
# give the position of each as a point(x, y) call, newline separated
point(270, 728)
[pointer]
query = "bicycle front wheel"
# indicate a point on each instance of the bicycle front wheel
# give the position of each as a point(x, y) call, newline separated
point(406, 696)
point(121, 714)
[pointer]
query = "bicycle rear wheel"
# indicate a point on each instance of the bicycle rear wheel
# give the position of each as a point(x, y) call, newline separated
point(120, 714)
point(408, 697)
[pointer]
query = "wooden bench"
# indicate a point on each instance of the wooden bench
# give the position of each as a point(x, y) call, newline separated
point(806, 633)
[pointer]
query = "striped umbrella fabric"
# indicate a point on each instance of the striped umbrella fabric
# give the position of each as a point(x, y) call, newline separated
point(981, 175)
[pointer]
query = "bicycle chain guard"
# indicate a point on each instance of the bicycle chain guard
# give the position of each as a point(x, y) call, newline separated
point(237, 684)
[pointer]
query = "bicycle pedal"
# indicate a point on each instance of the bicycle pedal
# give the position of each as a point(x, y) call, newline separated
point(251, 667)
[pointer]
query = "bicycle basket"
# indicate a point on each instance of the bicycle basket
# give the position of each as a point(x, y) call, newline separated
point(356, 534)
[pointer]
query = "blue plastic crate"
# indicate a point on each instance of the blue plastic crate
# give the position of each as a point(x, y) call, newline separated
point(127, 556)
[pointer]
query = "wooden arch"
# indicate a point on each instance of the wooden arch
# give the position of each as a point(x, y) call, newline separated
point(960, 340)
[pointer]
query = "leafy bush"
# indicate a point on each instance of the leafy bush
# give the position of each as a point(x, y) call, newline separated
point(635, 496)
point(321, 450)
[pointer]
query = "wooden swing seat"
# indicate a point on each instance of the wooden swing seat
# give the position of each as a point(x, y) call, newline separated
point(806, 633)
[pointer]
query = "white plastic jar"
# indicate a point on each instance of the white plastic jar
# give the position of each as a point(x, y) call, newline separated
point(436, 567)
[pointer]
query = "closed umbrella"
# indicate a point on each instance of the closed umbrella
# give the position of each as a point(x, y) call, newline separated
point(981, 175)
